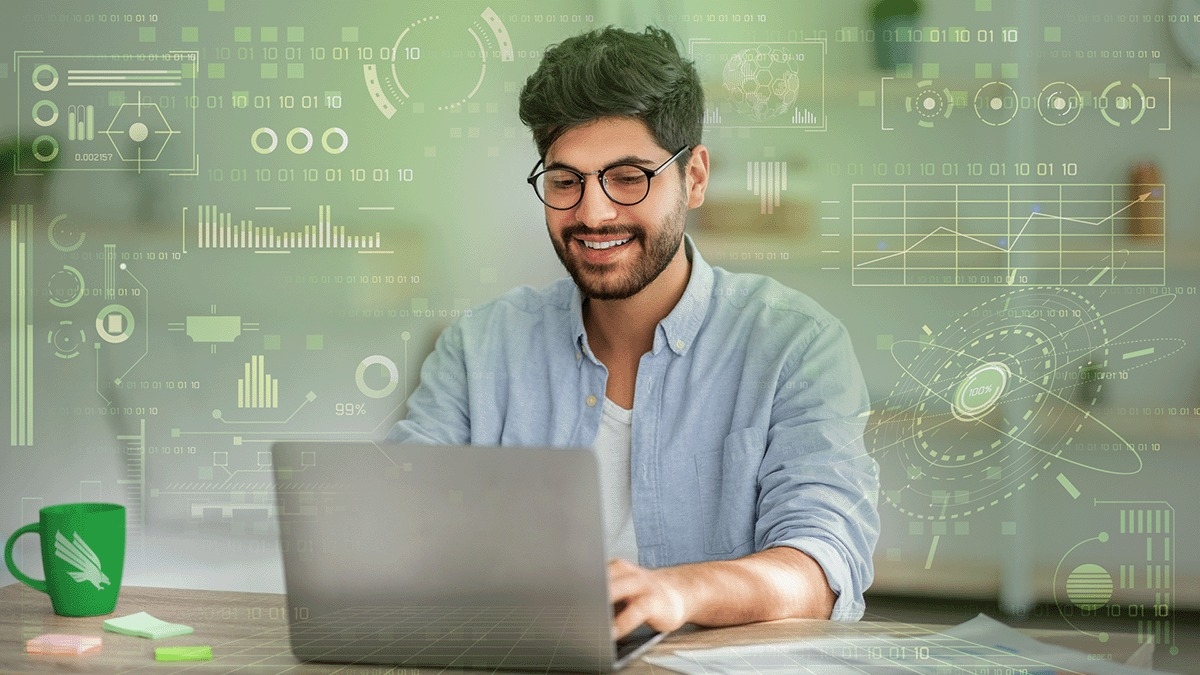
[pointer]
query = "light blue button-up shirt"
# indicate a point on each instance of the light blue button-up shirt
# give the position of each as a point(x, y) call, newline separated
point(747, 419)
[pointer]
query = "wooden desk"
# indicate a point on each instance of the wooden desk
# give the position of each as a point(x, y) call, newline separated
point(248, 634)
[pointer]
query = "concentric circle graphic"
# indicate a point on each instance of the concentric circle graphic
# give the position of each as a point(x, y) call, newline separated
point(989, 402)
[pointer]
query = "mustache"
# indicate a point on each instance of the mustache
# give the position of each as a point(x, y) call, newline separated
point(571, 231)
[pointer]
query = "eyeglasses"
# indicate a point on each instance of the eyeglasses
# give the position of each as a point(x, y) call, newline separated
point(626, 184)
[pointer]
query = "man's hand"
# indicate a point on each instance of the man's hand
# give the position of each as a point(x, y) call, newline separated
point(777, 583)
point(641, 595)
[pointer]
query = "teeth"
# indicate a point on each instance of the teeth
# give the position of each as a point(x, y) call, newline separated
point(600, 245)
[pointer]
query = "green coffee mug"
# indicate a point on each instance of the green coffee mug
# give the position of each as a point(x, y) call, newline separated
point(83, 554)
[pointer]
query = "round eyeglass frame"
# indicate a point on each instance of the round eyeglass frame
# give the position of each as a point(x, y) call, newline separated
point(534, 175)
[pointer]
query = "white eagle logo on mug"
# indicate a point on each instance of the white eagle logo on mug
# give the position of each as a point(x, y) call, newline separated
point(80, 556)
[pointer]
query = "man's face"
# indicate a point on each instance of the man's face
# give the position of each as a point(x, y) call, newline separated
point(610, 250)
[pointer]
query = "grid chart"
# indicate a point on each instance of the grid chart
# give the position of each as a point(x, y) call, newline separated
point(1007, 235)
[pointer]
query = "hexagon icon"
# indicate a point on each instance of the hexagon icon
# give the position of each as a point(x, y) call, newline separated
point(139, 132)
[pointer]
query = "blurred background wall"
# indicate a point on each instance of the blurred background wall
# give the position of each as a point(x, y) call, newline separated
point(232, 222)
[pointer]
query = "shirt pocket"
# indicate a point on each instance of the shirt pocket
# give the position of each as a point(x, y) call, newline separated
point(729, 493)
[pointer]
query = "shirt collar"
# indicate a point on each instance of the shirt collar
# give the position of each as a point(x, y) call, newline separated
point(679, 328)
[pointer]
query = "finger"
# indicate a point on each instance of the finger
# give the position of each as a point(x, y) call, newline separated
point(626, 586)
point(635, 613)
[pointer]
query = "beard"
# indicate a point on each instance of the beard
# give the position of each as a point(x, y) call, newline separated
point(624, 280)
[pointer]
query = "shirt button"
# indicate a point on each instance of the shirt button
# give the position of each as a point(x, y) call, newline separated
point(679, 344)
point(591, 401)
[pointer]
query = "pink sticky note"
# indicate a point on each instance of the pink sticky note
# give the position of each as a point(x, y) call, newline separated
point(57, 643)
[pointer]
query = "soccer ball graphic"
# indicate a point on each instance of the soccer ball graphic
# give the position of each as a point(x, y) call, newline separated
point(763, 82)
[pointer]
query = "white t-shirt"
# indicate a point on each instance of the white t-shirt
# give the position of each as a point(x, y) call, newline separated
point(613, 443)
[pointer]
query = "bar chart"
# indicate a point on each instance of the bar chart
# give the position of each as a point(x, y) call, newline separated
point(217, 229)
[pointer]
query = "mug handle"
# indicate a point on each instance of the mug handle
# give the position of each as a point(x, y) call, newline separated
point(36, 584)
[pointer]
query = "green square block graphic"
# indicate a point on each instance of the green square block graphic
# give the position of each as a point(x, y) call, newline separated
point(983, 71)
point(268, 71)
point(268, 34)
point(904, 71)
point(884, 342)
point(314, 342)
point(272, 343)
point(216, 5)
point(147, 34)
point(349, 33)
point(295, 33)
point(1008, 528)
point(930, 71)
point(1052, 34)
point(1008, 71)
point(242, 34)
point(983, 5)
point(295, 71)
point(216, 71)
point(115, 98)
point(189, 34)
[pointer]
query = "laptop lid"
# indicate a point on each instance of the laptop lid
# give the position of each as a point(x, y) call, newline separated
point(447, 556)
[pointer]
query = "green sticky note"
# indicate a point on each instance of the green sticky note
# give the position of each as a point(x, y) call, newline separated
point(144, 625)
point(191, 653)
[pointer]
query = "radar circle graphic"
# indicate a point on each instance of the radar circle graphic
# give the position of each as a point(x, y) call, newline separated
point(929, 103)
point(1059, 103)
point(996, 104)
point(989, 402)
point(762, 82)
point(437, 61)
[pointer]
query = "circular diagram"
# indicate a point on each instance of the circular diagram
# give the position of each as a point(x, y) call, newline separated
point(387, 365)
point(66, 287)
point(986, 404)
point(437, 61)
point(64, 235)
point(929, 103)
point(1059, 103)
point(1123, 103)
point(996, 104)
point(114, 324)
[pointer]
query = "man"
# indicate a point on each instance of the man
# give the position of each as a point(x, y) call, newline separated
point(725, 409)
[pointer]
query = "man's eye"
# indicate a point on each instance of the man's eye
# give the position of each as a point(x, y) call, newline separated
point(562, 183)
point(628, 179)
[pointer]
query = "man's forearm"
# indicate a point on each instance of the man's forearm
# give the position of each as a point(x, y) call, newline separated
point(777, 583)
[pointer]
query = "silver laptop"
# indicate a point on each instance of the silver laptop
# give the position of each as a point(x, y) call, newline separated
point(446, 556)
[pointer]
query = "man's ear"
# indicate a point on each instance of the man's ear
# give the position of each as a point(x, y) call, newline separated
point(697, 176)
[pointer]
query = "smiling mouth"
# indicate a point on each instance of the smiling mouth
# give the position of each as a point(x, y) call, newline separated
point(601, 245)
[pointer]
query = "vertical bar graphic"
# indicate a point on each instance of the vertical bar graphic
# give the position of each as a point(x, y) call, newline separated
point(110, 271)
point(256, 388)
point(135, 479)
point(21, 329)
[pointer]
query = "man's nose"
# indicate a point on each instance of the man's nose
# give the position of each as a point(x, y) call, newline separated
point(595, 208)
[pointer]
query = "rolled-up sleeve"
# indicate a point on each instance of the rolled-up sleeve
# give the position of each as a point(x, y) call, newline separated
point(819, 488)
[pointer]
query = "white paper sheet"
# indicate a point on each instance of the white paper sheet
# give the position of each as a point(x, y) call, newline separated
point(981, 646)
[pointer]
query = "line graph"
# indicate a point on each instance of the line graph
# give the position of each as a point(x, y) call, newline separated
point(961, 234)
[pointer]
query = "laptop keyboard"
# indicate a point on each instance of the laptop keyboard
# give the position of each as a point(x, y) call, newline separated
point(466, 637)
